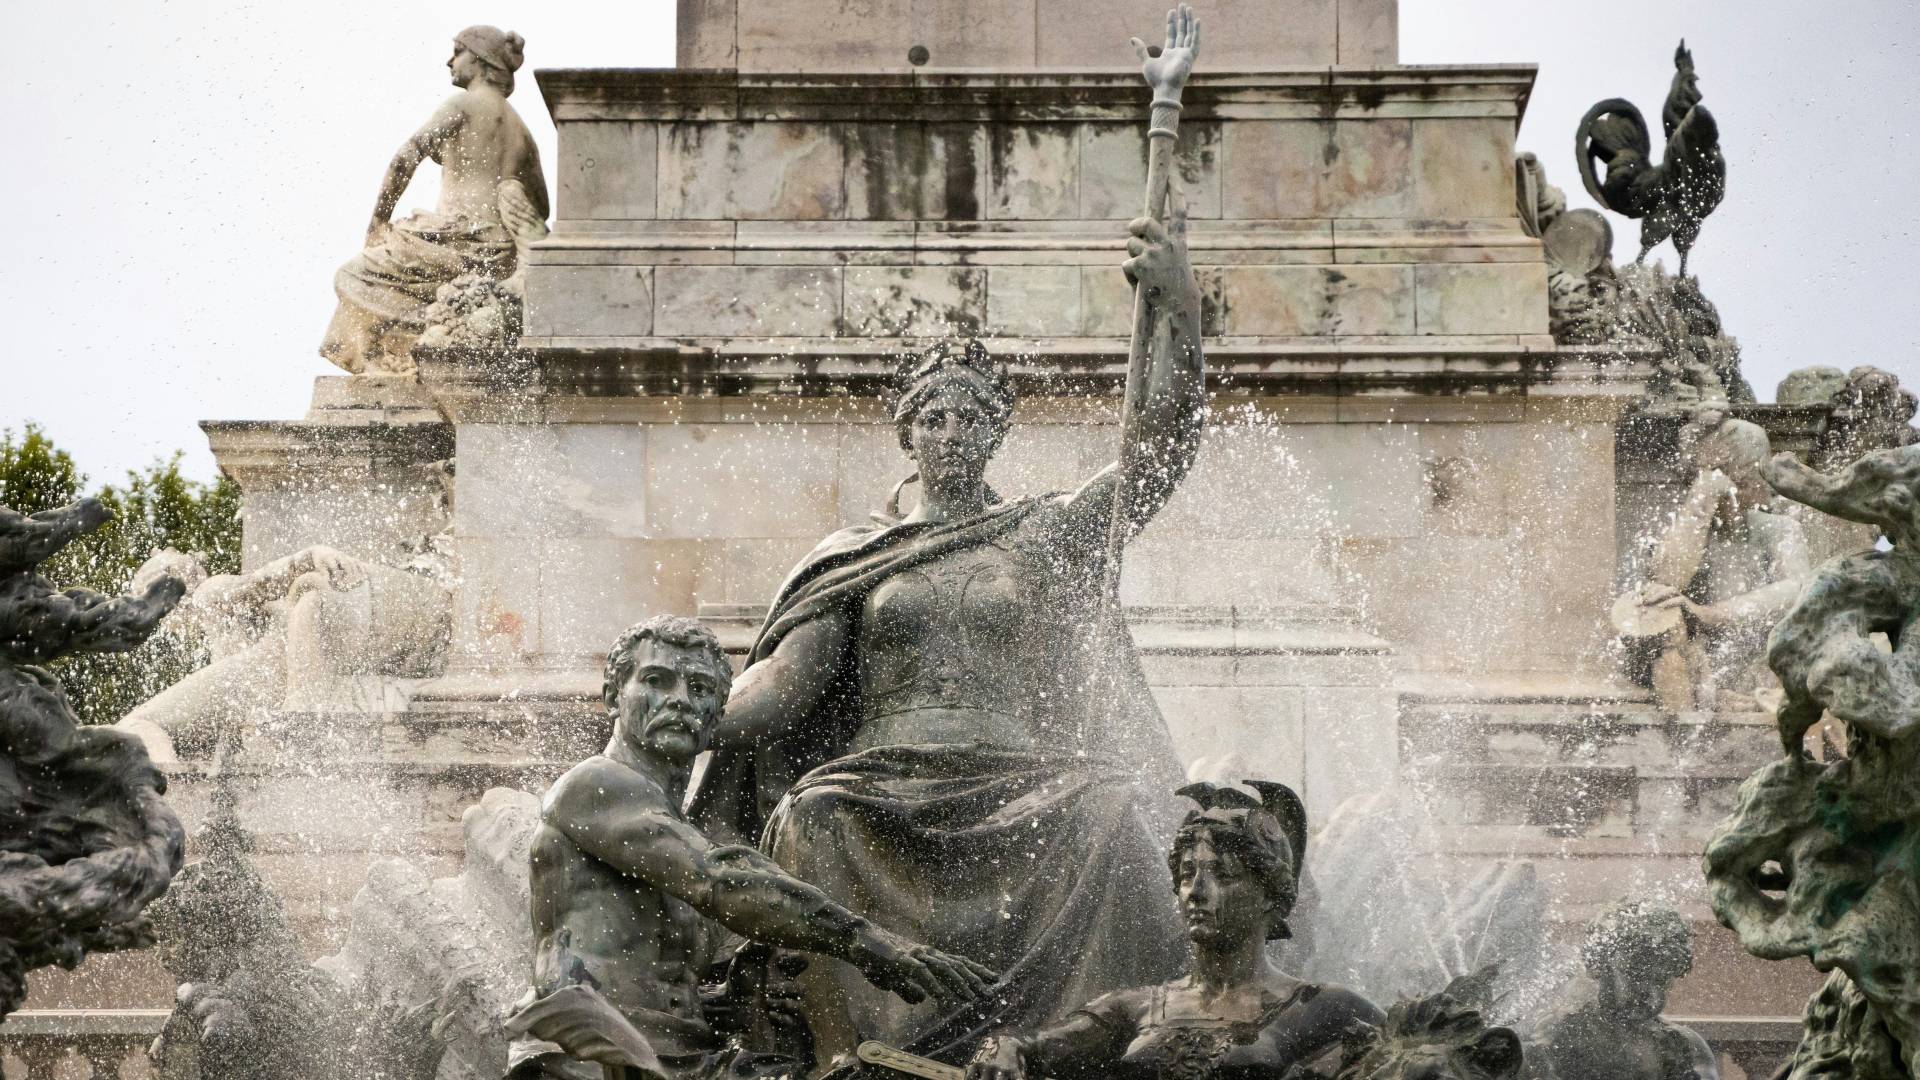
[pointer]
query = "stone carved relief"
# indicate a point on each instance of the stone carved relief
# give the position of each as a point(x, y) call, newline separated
point(88, 840)
point(317, 631)
point(1637, 307)
point(1726, 566)
point(1578, 245)
point(1870, 411)
point(1817, 857)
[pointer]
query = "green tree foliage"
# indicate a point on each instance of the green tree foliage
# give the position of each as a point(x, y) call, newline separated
point(155, 508)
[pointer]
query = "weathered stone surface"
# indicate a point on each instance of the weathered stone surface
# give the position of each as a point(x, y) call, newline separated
point(636, 578)
point(607, 171)
point(1093, 33)
point(1369, 32)
point(850, 35)
point(589, 472)
point(779, 301)
point(1113, 169)
point(751, 171)
point(1018, 34)
point(1106, 303)
point(1494, 298)
point(763, 502)
point(1033, 301)
point(496, 618)
point(923, 301)
point(1318, 168)
point(1273, 169)
point(1033, 171)
point(916, 171)
point(1463, 167)
point(590, 301)
point(1317, 301)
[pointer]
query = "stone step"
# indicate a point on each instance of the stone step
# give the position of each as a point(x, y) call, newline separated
point(1578, 800)
point(1552, 769)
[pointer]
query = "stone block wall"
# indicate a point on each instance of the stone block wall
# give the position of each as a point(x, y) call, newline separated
point(864, 35)
point(840, 213)
point(1469, 546)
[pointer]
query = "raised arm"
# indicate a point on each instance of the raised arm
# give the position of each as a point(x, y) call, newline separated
point(784, 686)
point(606, 810)
point(422, 144)
point(1160, 444)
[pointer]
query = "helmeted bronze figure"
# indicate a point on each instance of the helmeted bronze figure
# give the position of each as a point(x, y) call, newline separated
point(1236, 868)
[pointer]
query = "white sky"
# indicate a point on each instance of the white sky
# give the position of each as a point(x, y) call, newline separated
point(187, 175)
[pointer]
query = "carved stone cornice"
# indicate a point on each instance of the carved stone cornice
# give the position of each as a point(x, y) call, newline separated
point(585, 380)
point(295, 454)
point(1340, 92)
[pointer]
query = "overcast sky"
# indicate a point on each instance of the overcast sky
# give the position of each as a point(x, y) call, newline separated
point(187, 175)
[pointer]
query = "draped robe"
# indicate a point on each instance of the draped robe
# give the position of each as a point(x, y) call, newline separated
point(1047, 865)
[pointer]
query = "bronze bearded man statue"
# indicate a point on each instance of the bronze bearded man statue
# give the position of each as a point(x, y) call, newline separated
point(631, 903)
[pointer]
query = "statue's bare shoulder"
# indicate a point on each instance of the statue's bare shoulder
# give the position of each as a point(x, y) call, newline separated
point(597, 786)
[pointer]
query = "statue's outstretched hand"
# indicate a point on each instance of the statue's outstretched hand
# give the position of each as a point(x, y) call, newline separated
point(1167, 73)
point(916, 972)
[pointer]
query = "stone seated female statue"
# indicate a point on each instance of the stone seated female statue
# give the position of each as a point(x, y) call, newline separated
point(948, 712)
point(493, 203)
point(1236, 869)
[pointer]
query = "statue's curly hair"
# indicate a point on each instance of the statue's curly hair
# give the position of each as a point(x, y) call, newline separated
point(1652, 938)
point(676, 630)
point(966, 363)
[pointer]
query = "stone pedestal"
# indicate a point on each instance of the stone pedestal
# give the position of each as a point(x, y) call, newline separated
point(367, 472)
point(843, 35)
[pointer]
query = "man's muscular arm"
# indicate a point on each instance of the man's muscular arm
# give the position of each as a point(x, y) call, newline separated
point(621, 818)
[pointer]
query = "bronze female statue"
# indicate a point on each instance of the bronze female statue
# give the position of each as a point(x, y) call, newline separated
point(1236, 868)
point(948, 712)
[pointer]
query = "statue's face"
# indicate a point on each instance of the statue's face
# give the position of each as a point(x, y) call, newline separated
point(1626, 989)
point(953, 432)
point(463, 66)
point(672, 700)
point(1221, 899)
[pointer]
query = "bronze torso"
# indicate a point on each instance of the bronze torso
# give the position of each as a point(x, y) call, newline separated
point(949, 651)
point(1166, 1033)
point(642, 948)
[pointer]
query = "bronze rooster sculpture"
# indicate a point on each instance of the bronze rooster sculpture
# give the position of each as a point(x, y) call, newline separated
point(1671, 198)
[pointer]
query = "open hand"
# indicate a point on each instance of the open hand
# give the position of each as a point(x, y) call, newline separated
point(916, 972)
point(1168, 72)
